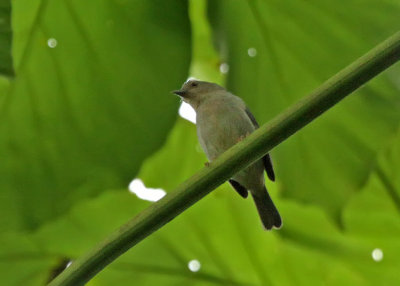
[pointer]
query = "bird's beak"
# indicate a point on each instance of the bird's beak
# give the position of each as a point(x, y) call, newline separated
point(180, 92)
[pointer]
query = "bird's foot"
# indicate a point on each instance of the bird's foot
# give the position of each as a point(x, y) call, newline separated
point(207, 164)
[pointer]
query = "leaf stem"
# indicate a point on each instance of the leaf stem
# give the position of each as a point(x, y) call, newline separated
point(389, 187)
point(236, 158)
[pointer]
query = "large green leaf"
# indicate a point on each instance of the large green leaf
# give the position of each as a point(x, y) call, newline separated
point(222, 231)
point(376, 209)
point(90, 102)
point(6, 67)
point(278, 51)
point(24, 262)
point(179, 159)
point(224, 234)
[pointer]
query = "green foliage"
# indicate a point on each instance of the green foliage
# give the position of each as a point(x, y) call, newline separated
point(6, 67)
point(90, 103)
point(80, 119)
point(224, 234)
point(299, 45)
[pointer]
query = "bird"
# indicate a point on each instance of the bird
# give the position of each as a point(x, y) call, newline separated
point(222, 120)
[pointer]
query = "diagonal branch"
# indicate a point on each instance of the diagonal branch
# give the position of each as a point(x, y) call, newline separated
point(236, 158)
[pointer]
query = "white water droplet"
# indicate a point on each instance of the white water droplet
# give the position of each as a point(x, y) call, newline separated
point(52, 43)
point(224, 68)
point(194, 265)
point(252, 52)
point(377, 254)
point(139, 189)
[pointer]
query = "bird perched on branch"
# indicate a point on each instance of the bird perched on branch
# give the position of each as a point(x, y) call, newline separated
point(222, 120)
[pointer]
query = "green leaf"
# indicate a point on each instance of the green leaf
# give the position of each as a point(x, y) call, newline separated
point(296, 46)
point(224, 234)
point(373, 214)
point(91, 101)
point(23, 261)
point(222, 231)
point(376, 208)
point(179, 159)
point(6, 67)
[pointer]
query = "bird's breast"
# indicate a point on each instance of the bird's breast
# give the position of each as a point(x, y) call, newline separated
point(220, 126)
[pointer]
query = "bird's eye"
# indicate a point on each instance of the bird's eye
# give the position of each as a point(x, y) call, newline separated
point(193, 84)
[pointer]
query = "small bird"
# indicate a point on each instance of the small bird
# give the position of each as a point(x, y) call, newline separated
point(222, 120)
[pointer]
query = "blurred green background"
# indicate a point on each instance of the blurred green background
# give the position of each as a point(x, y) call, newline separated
point(90, 109)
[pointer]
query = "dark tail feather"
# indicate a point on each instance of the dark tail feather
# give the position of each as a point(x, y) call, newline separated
point(266, 209)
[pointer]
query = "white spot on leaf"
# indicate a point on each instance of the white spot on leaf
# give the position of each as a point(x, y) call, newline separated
point(139, 189)
point(187, 112)
point(194, 265)
point(52, 43)
point(377, 254)
point(252, 52)
point(224, 68)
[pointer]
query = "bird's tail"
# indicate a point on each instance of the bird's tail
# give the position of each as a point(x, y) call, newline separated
point(266, 209)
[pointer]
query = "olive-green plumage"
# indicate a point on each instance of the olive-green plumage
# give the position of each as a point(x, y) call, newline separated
point(222, 120)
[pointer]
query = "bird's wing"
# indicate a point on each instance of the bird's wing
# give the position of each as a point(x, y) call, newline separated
point(239, 188)
point(252, 118)
point(266, 159)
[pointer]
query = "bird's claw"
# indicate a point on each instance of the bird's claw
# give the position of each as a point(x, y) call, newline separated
point(207, 164)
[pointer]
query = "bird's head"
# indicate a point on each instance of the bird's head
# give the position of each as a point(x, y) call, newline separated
point(195, 91)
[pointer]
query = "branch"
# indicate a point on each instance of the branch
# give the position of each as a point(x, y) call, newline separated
point(236, 158)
